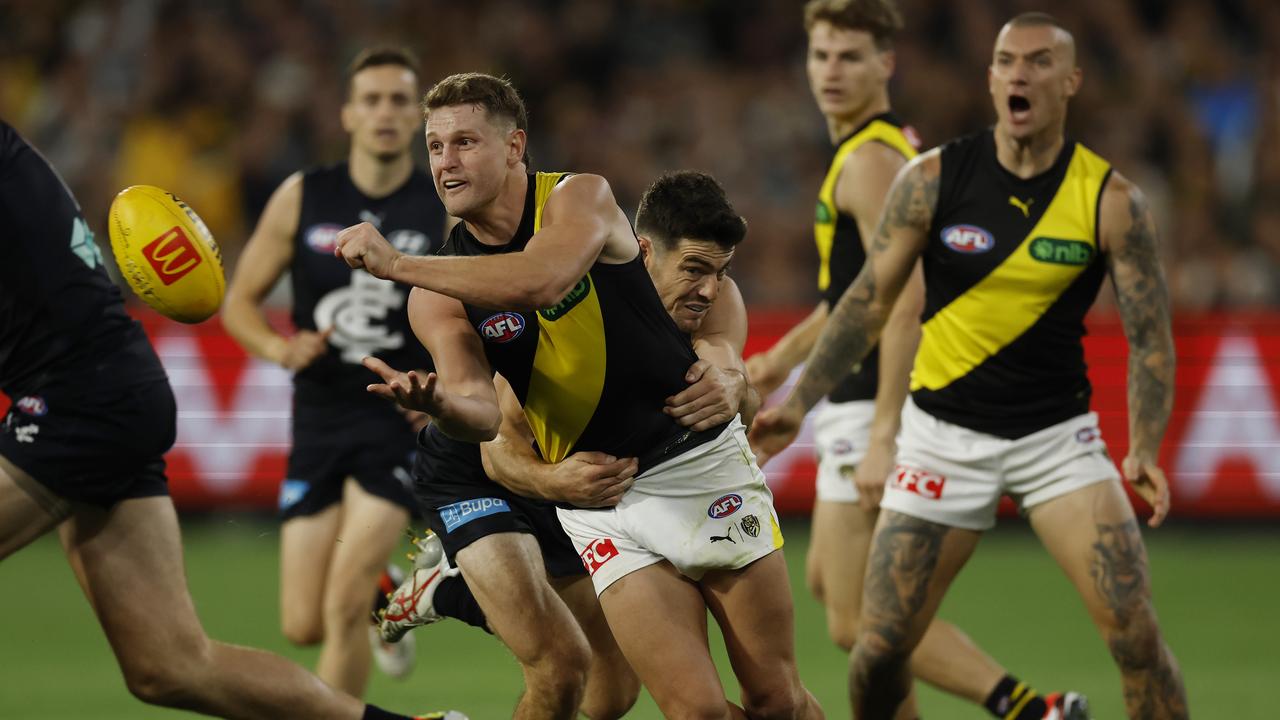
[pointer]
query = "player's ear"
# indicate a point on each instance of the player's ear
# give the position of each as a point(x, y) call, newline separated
point(348, 116)
point(646, 249)
point(516, 146)
point(1073, 81)
point(888, 60)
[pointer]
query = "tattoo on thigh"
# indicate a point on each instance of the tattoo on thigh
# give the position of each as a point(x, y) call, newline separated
point(902, 562)
point(1119, 568)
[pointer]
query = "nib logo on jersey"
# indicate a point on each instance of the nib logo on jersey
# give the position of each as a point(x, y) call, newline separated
point(502, 328)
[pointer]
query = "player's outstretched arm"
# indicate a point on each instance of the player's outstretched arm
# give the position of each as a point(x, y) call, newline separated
point(718, 388)
point(265, 258)
point(855, 321)
point(584, 479)
point(459, 395)
point(581, 223)
point(1128, 237)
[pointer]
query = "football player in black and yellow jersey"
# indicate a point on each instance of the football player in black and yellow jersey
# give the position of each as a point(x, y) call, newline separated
point(850, 61)
point(1017, 227)
point(547, 287)
point(350, 456)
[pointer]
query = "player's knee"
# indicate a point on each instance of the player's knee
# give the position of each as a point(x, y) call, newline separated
point(559, 672)
point(843, 630)
point(302, 629)
point(613, 701)
point(783, 697)
point(348, 608)
point(169, 677)
point(875, 661)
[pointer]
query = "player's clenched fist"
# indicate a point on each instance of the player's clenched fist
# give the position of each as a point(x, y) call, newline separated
point(363, 246)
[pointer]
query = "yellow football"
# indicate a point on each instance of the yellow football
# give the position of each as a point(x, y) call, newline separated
point(166, 253)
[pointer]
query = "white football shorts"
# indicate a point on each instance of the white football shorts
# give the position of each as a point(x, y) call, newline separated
point(955, 476)
point(840, 433)
point(706, 509)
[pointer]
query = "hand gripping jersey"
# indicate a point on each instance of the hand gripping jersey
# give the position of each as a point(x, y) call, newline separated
point(594, 370)
point(1010, 269)
point(367, 314)
point(840, 249)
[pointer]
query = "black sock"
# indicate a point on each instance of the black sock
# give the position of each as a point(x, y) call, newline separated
point(1014, 700)
point(376, 713)
point(454, 599)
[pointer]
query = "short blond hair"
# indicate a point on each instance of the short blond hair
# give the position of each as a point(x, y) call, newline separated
point(880, 18)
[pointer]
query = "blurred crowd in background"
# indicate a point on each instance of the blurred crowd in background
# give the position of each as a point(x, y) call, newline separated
point(219, 101)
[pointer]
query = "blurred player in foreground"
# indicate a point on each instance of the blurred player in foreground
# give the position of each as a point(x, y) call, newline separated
point(1017, 226)
point(350, 462)
point(82, 447)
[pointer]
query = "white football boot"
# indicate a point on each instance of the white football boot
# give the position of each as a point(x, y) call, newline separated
point(411, 604)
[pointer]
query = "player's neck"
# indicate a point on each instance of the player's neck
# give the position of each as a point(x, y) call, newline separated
point(376, 177)
point(1029, 156)
point(497, 222)
point(842, 126)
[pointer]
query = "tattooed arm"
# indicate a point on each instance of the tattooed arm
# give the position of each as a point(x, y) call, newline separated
point(856, 320)
point(1128, 237)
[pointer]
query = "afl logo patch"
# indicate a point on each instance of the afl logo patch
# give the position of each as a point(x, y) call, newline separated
point(967, 239)
point(725, 506)
point(502, 328)
point(32, 405)
point(323, 238)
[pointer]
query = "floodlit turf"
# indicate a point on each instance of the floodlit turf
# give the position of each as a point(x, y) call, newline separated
point(1215, 589)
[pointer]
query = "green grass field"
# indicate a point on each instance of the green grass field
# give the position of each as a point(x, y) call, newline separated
point(1216, 590)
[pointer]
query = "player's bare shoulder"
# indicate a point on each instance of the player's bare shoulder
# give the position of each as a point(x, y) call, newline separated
point(914, 196)
point(1124, 217)
point(587, 200)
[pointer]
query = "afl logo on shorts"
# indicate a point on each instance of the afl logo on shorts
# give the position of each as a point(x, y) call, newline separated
point(502, 328)
point(323, 238)
point(33, 405)
point(967, 239)
point(725, 506)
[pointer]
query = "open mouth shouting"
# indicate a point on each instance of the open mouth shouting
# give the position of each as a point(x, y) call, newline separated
point(1019, 108)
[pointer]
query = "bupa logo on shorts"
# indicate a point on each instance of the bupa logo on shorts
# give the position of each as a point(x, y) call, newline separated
point(33, 405)
point(597, 554)
point(1061, 252)
point(502, 328)
point(323, 238)
point(1084, 436)
point(292, 492)
point(921, 482)
point(725, 506)
point(460, 513)
point(967, 239)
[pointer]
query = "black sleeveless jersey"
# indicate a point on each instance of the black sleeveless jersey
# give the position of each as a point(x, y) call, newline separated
point(1010, 269)
point(60, 314)
point(840, 250)
point(367, 315)
point(593, 371)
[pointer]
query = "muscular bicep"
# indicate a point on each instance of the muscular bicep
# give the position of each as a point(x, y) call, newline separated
point(902, 232)
point(1128, 238)
point(515, 426)
point(441, 324)
point(582, 223)
point(864, 183)
point(269, 250)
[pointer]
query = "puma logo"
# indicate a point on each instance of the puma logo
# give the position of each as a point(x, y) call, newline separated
point(727, 536)
point(1025, 207)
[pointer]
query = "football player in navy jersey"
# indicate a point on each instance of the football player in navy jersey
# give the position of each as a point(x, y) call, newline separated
point(81, 449)
point(349, 465)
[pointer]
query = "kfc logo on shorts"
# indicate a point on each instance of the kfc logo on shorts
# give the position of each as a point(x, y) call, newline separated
point(33, 405)
point(724, 506)
point(1084, 436)
point(967, 239)
point(921, 482)
point(597, 554)
point(502, 328)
